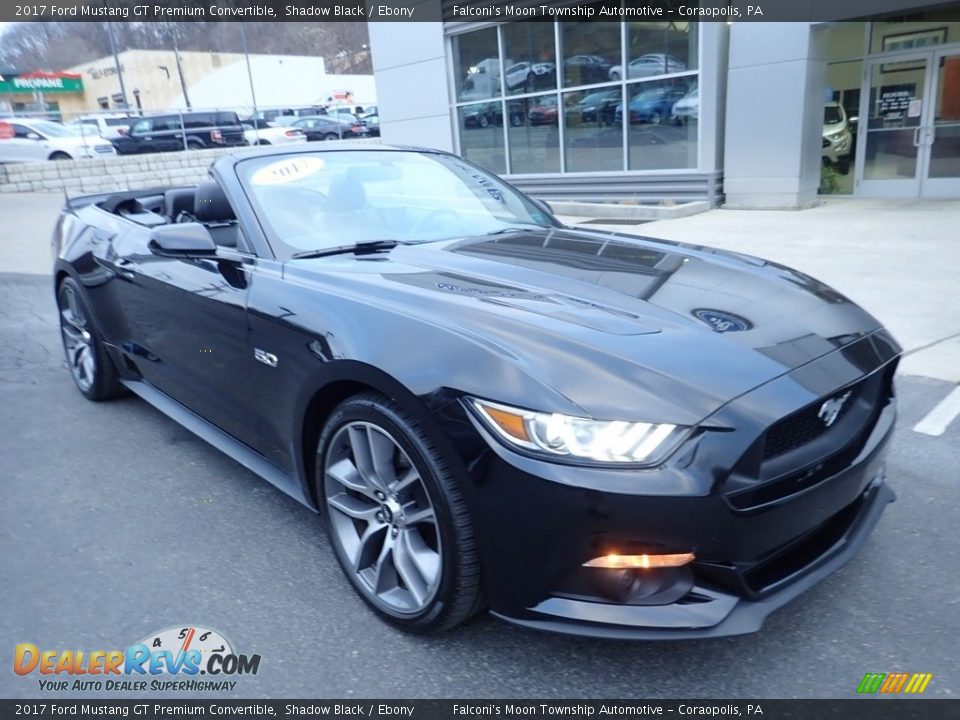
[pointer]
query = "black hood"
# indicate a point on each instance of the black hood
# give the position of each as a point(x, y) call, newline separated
point(609, 321)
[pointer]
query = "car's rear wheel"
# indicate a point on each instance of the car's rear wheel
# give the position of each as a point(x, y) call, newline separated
point(195, 145)
point(60, 156)
point(331, 136)
point(92, 369)
point(397, 521)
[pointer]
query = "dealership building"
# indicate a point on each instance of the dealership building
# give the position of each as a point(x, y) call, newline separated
point(746, 113)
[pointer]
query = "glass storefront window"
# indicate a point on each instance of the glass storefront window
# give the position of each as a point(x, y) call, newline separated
point(519, 122)
point(481, 135)
point(589, 51)
point(476, 65)
point(534, 136)
point(530, 58)
point(840, 123)
point(662, 117)
point(843, 41)
point(655, 48)
point(593, 136)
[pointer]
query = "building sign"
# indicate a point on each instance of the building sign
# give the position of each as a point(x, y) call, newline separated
point(895, 100)
point(104, 72)
point(59, 82)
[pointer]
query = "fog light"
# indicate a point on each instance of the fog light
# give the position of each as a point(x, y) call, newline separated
point(640, 562)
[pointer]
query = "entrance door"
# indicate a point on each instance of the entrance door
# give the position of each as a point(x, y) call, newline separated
point(942, 134)
point(891, 126)
point(909, 128)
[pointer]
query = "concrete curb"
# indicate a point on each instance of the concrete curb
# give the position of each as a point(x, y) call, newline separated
point(628, 212)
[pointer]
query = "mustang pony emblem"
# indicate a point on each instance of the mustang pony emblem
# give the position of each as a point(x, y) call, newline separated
point(830, 410)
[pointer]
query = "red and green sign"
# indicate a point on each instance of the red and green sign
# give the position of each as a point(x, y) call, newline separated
point(57, 82)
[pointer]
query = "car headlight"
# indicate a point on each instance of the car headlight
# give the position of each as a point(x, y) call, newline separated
point(576, 438)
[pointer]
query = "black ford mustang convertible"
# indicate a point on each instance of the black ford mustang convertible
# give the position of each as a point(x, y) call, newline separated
point(582, 431)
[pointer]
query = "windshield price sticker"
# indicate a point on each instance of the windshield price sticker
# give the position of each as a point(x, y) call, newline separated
point(288, 171)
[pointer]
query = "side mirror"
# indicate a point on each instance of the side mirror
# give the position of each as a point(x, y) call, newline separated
point(854, 120)
point(182, 239)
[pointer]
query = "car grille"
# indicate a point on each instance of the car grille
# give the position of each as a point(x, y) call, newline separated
point(800, 450)
point(806, 425)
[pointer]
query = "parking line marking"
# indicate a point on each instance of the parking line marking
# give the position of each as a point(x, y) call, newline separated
point(936, 421)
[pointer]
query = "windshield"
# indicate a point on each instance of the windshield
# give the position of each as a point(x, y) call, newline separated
point(328, 199)
point(831, 115)
point(52, 129)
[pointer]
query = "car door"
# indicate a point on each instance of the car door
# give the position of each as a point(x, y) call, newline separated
point(137, 138)
point(26, 145)
point(169, 133)
point(186, 328)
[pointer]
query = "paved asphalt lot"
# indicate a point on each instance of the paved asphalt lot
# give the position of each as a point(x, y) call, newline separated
point(115, 523)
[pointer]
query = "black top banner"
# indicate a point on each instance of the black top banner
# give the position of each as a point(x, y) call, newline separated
point(863, 709)
point(452, 10)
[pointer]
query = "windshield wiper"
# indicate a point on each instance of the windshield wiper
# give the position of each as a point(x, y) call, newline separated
point(514, 228)
point(360, 248)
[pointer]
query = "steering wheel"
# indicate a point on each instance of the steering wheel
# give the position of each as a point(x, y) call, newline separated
point(431, 217)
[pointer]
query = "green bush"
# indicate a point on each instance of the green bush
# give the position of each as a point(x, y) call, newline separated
point(829, 180)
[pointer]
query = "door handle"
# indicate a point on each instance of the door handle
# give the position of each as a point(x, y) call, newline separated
point(916, 135)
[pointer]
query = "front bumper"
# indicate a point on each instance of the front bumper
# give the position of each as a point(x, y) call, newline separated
point(721, 614)
point(763, 530)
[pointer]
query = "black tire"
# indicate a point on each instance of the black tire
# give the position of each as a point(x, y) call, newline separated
point(457, 592)
point(59, 155)
point(99, 380)
point(263, 142)
point(484, 121)
point(330, 136)
point(195, 145)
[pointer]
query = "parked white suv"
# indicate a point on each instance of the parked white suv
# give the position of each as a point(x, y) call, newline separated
point(106, 126)
point(26, 140)
point(837, 138)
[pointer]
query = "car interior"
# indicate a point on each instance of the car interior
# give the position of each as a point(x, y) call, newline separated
point(205, 204)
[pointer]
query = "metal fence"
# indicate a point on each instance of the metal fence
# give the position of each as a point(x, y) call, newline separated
point(108, 124)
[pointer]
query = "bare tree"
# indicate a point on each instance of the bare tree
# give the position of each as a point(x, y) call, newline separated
point(57, 45)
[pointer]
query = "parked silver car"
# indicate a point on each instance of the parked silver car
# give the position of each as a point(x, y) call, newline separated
point(837, 142)
point(649, 65)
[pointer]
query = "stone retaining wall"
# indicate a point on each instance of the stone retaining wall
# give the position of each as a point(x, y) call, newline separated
point(115, 172)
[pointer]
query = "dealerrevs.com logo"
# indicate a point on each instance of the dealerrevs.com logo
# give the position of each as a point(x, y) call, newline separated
point(187, 658)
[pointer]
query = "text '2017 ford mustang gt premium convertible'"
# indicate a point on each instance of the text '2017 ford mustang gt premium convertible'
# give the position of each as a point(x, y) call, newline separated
point(582, 431)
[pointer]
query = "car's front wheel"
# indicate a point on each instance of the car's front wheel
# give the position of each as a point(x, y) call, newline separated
point(395, 515)
point(92, 369)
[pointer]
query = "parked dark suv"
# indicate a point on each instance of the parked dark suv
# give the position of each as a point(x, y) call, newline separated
point(165, 133)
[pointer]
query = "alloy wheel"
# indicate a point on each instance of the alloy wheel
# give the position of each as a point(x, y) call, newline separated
point(382, 519)
point(77, 339)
